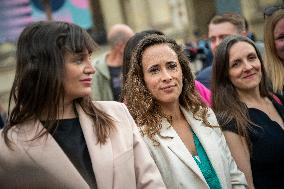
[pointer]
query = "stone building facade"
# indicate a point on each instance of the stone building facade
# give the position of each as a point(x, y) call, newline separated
point(180, 19)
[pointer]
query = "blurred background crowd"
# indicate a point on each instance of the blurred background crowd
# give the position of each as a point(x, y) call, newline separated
point(184, 20)
point(169, 62)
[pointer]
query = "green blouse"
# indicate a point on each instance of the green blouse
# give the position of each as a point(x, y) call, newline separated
point(205, 165)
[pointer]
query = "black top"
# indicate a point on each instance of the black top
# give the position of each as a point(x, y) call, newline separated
point(70, 138)
point(267, 155)
point(115, 74)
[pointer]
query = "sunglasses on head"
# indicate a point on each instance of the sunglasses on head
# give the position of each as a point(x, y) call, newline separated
point(268, 11)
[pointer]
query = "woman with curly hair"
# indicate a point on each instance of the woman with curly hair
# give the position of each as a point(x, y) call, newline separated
point(182, 134)
point(205, 94)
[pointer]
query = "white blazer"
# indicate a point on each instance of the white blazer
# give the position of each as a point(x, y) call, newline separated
point(177, 166)
point(122, 162)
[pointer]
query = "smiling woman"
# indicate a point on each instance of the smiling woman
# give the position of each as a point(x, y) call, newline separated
point(56, 132)
point(244, 67)
point(181, 132)
point(254, 127)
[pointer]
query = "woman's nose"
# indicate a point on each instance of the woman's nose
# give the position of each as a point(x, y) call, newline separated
point(89, 69)
point(166, 76)
point(247, 66)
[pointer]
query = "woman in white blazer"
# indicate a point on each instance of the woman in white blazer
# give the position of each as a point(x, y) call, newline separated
point(182, 134)
point(56, 136)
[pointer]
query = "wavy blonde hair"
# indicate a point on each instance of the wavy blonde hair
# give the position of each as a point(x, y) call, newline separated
point(140, 102)
point(273, 64)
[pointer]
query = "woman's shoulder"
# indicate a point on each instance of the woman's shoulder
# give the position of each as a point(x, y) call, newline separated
point(221, 123)
point(118, 111)
point(110, 106)
point(109, 103)
point(24, 134)
point(210, 112)
point(212, 117)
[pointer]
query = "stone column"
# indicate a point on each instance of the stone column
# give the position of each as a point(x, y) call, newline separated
point(112, 13)
point(137, 14)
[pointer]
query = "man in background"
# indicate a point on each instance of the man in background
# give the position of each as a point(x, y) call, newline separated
point(220, 27)
point(107, 79)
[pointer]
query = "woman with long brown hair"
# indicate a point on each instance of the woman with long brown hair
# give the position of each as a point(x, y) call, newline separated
point(56, 131)
point(251, 116)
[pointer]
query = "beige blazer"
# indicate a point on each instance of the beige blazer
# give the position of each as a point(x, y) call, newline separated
point(177, 166)
point(123, 162)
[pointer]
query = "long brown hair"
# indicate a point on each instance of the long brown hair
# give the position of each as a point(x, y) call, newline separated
point(225, 100)
point(38, 84)
point(141, 104)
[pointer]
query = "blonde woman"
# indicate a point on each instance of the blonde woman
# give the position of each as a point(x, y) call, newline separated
point(274, 46)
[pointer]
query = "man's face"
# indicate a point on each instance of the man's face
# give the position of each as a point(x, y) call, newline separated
point(217, 32)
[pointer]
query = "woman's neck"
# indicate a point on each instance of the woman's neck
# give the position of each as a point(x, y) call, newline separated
point(172, 110)
point(251, 98)
point(67, 111)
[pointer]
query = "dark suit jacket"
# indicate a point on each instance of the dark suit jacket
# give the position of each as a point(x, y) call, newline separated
point(205, 77)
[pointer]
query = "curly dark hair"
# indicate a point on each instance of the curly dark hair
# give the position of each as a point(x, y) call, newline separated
point(140, 102)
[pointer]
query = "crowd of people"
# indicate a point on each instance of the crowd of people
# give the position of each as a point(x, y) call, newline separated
point(136, 116)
